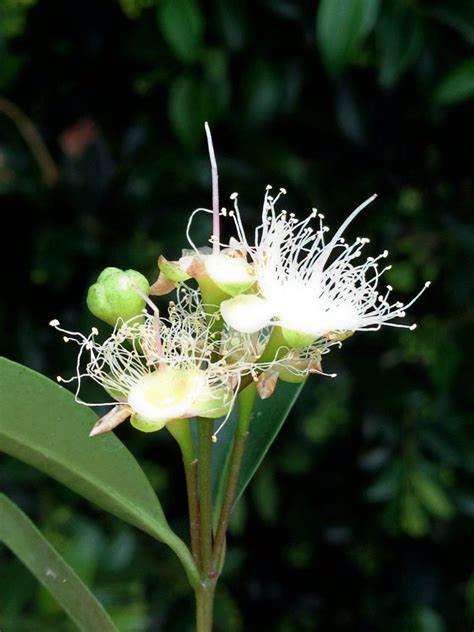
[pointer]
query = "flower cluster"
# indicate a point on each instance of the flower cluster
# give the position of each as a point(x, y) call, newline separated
point(245, 311)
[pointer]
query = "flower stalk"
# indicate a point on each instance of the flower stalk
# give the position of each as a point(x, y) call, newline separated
point(246, 404)
point(205, 432)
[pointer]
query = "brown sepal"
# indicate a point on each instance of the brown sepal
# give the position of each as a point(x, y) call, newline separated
point(266, 383)
point(162, 286)
point(111, 420)
point(197, 269)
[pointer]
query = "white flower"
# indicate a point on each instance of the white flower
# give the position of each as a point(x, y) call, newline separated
point(310, 286)
point(160, 369)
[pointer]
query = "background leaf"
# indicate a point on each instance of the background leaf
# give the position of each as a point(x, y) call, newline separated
point(190, 103)
point(182, 26)
point(399, 41)
point(20, 535)
point(340, 29)
point(42, 425)
point(457, 85)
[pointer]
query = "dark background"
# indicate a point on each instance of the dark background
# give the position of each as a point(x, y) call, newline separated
point(360, 518)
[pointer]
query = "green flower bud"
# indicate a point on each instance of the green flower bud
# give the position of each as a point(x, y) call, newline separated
point(114, 295)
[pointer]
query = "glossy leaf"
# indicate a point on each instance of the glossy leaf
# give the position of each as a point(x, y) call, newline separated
point(182, 25)
point(267, 420)
point(22, 537)
point(340, 29)
point(457, 85)
point(42, 425)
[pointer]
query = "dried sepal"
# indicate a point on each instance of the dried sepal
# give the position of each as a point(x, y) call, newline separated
point(111, 420)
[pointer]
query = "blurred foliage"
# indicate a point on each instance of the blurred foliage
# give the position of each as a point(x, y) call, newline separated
point(361, 516)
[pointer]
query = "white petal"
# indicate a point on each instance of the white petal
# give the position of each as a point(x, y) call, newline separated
point(167, 394)
point(232, 274)
point(246, 313)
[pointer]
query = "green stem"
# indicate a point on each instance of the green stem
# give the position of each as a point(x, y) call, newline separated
point(246, 403)
point(190, 470)
point(205, 431)
point(181, 431)
point(205, 607)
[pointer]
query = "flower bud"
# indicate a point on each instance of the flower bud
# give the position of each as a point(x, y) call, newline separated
point(114, 295)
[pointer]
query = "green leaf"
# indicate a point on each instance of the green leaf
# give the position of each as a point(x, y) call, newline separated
point(182, 25)
point(399, 37)
point(20, 535)
point(42, 425)
point(457, 85)
point(431, 495)
point(341, 27)
point(266, 422)
point(190, 104)
point(413, 518)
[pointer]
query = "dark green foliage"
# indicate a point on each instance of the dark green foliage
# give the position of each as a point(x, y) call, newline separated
point(361, 516)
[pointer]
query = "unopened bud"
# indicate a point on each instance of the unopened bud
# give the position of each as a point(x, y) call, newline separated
point(114, 295)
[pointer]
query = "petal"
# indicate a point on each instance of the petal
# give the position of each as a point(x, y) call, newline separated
point(233, 275)
point(246, 313)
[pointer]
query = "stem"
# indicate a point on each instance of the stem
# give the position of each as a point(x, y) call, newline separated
point(216, 237)
point(190, 470)
point(205, 608)
point(31, 136)
point(246, 402)
point(181, 431)
point(205, 431)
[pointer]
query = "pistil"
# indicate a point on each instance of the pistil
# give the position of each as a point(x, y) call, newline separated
point(215, 193)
